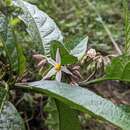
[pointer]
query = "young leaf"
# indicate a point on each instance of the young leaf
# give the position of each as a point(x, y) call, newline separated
point(119, 69)
point(82, 99)
point(66, 57)
point(39, 25)
point(10, 118)
point(80, 49)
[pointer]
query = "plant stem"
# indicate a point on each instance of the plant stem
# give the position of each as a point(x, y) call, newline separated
point(85, 83)
point(5, 96)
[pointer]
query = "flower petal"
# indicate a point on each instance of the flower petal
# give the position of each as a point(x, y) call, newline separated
point(58, 76)
point(50, 73)
point(58, 57)
point(64, 69)
point(51, 61)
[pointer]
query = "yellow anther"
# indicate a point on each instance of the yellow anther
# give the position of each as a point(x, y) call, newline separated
point(58, 67)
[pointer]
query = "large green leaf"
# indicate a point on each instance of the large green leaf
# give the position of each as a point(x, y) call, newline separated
point(82, 99)
point(66, 57)
point(39, 25)
point(119, 69)
point(13, 49)
point(80, 49)
point(10, 118)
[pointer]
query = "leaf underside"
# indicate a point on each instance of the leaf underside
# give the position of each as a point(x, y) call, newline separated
point(10, 118)
point(83, 100)
point(40, 26)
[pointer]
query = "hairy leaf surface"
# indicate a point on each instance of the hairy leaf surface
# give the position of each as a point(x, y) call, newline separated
point(40, 26)
point(10, 118)
point(83, 100)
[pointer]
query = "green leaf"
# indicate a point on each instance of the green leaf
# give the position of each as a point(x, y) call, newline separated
point(119, 69)
point(80, 49)
point(13, 49)
point(60, 116)
point(72, 42)
point(10, 118)
point(66, 57)
point(82, 99)
point(68, 118)
point(40, 26)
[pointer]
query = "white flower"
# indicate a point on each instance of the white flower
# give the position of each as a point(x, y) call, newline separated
point(57, 67)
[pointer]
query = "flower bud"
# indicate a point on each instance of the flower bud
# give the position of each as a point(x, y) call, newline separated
point(91, 53)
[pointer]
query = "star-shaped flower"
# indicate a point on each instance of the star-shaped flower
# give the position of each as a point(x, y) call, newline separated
point(57, 67)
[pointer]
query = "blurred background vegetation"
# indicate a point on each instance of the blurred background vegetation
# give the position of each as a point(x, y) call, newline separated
point(77, 19)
